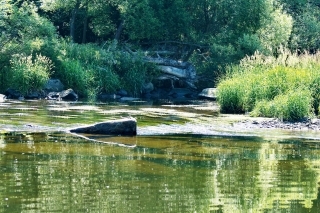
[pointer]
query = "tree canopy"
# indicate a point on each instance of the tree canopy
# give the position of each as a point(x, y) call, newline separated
point(209, 33)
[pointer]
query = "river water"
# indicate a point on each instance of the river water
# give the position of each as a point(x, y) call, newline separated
point(186, 158)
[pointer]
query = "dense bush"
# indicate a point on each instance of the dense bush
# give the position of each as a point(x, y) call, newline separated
point(285, 87)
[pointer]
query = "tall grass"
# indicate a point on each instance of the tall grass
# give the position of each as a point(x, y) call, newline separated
point(291, 106)
point(286, 87)
point(28, 73)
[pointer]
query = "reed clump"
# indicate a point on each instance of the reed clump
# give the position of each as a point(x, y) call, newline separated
point(286, 87)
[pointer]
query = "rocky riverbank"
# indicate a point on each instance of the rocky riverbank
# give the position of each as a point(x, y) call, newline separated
point(307, 124)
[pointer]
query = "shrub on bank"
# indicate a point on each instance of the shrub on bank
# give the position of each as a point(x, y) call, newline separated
point(286, 87)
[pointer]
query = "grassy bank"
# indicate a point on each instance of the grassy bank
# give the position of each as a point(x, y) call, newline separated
point(286, 87)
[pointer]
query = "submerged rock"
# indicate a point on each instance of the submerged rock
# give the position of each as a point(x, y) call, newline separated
point(108, 97)
point(35, 95)
point(126, 126)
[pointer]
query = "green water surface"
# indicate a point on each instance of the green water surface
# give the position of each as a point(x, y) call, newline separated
point(45, 169)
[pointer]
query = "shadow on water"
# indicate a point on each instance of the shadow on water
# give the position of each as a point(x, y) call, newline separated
point(182, 171)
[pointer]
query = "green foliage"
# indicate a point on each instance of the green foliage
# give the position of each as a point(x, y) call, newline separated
point(145, 26)
point(216, 32)
point(88, 69)
point(134, 72)
point(87, 54)
point(249, 44)
point(5, 10)
point(26, 23)
point(78, 67)
point(240, 29)
point(286, 87)
point(24, 33)
point(29, 74)
point(74, 75)
point(306, 27)
point(104, 18)
point(212, 63)
point(161, 20)
point(276, 29)
point(307, 30)
point(108, 80)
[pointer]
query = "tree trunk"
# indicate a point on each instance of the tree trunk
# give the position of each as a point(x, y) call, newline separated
point(119, 30)
point(85, 27)
point(180, 73)
point(73, 20)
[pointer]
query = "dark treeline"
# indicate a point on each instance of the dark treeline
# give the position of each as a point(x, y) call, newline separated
point(85, 43)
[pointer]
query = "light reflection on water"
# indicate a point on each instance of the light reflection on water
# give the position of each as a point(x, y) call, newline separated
point(58, 172)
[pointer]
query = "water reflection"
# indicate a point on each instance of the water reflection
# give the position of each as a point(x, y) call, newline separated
point(59, 172)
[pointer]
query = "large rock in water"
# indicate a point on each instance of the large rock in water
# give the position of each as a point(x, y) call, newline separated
point(126, 126)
